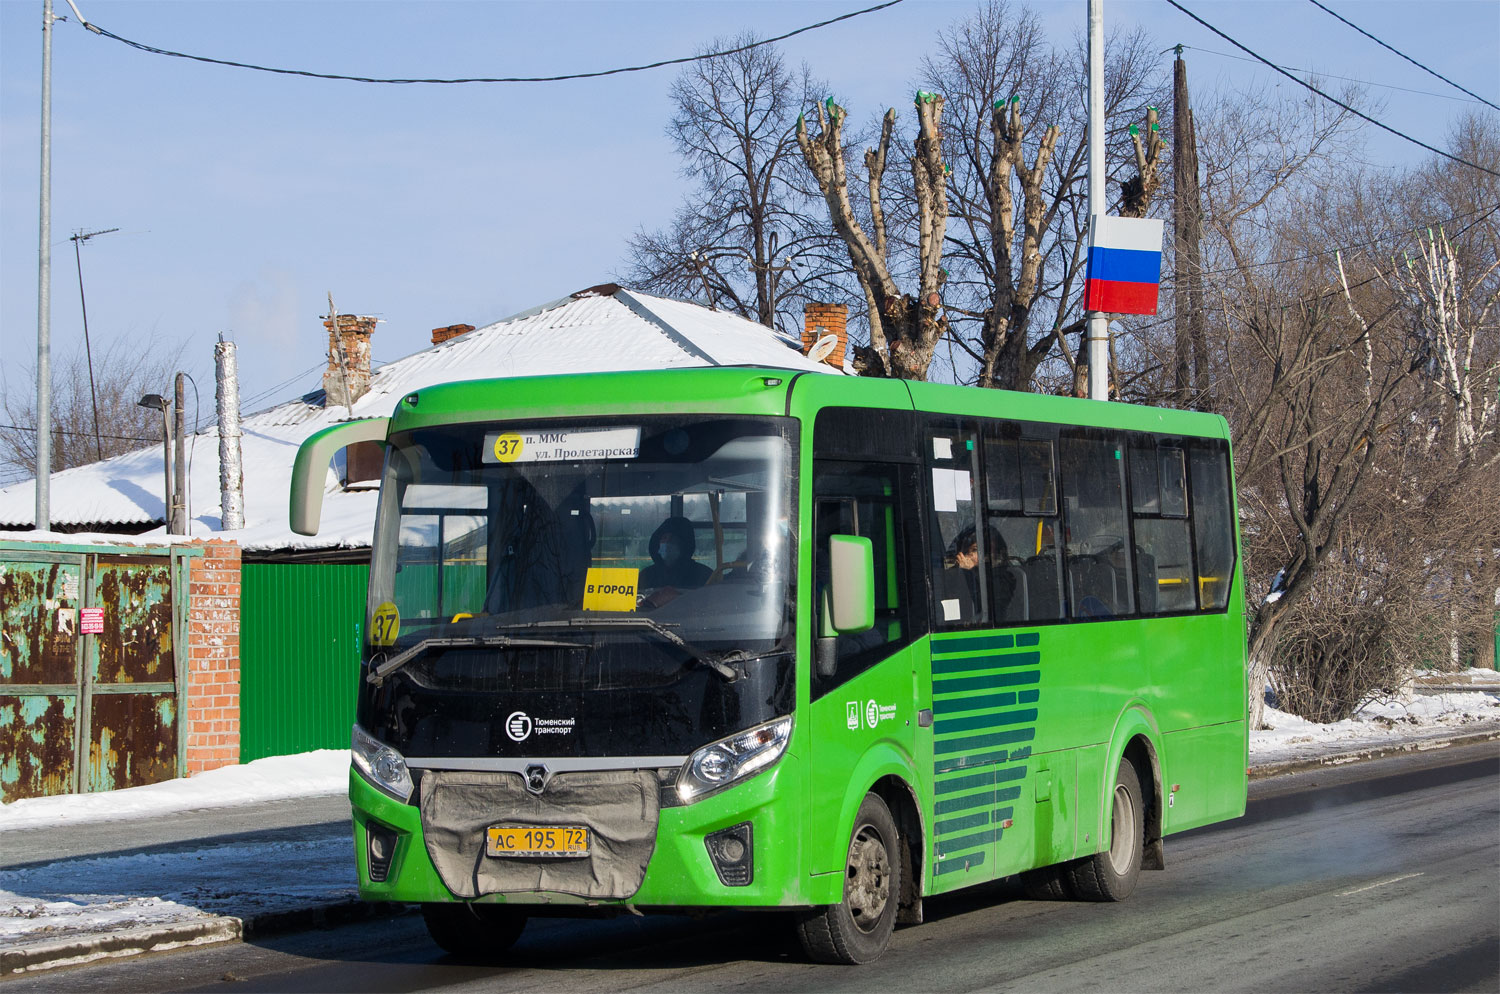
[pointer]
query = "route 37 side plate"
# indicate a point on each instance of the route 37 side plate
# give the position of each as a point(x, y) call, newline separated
point(555, 841)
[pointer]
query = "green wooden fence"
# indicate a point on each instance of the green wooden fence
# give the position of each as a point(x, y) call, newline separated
point(299, 656)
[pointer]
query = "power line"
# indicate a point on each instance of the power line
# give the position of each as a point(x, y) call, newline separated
point(1359, 245)
point(96, 29)
point(1408, 58)
point(83, 434)
point(1329, 75)
point(1332, 99)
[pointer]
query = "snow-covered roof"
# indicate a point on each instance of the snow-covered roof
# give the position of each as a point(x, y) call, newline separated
point(608, 329)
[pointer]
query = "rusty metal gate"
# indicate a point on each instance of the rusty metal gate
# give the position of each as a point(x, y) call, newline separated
point(91, 657)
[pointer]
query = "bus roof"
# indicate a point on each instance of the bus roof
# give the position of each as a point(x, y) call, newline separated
point(759, 390)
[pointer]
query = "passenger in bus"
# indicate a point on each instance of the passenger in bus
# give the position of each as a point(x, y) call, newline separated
point(672, 564)
point(961, 581)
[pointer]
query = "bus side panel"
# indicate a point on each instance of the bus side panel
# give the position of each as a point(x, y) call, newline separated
point(1055, 816)
point(1208, 764)
point(859, 732)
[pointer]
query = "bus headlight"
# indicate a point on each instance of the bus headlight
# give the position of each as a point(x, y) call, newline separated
point(732, 759)
point(381, 765)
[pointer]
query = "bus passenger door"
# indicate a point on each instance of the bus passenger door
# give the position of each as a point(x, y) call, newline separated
point(983, 682)
point(863, 684)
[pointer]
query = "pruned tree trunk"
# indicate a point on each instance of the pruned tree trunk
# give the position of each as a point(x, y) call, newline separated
point(904, 329)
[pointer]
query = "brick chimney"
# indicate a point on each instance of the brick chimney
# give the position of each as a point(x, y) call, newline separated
point(826, 319)
point(441, 335)
point(353, 339)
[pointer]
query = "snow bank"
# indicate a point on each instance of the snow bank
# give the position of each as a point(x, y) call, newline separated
point(1413, 716)
point(277, 778)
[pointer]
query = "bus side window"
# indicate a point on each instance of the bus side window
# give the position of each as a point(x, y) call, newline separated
point(1213, 523)
point(1099, 568)
point(1021, 504)
point(960, 545)
point(872, 501)
point(1163, 550)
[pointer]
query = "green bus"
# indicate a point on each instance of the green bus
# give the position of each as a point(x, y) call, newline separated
point(765, 639)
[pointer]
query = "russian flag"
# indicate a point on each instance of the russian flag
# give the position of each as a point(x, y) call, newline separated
point(1124, 271)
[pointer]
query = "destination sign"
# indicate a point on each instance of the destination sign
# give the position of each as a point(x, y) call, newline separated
point(562, 446)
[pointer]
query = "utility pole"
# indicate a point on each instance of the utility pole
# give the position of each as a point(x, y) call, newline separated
point(179, 518)
point(77, 239)
point(1191, 350)
point(44, 293)
point(227, 400)
point(1098, 324)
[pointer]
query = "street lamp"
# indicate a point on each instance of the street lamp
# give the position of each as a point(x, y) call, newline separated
point(157, 402)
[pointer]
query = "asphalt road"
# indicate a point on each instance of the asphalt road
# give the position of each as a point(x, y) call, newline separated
point(1380, 876)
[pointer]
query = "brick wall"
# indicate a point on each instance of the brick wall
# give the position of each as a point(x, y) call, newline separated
point(213, 678)
point(826, 319)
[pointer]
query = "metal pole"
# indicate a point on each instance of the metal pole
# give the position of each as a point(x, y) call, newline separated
point(179, 463)
point(44, 293)
point(1098, 324)
point(166, 463)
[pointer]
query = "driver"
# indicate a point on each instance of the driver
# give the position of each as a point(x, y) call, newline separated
point(672, 564)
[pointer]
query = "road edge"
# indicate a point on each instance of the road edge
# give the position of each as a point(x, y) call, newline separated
point(1277, 768)
point(36, 957)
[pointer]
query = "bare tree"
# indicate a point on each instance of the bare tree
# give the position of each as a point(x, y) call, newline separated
point(904, 328)
point(126, 372)
point(743, 240)
point(1016, 245)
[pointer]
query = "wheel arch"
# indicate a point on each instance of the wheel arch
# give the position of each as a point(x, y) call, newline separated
point(1137, 740)
point(901, 799)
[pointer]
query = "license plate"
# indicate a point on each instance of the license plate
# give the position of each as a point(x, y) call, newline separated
point(563, 841)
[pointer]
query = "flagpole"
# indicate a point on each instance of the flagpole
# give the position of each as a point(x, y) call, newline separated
point(1098, 324)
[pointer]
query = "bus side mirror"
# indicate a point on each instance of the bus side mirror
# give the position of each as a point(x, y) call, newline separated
point(851, 591)
point(311, 467)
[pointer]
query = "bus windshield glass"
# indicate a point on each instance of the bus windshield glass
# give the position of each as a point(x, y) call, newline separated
point(674, 529)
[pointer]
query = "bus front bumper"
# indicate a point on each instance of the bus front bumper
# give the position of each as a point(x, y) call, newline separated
point(680, 874)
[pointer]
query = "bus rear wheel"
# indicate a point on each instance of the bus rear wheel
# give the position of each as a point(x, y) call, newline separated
point(857, 929)
point(1111, 875)
point(473, 931)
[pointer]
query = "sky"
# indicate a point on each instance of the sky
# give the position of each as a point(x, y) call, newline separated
point(244, 198)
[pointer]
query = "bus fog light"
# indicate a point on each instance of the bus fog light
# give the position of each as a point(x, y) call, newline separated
point(733, 759)
point(380, 847)
point(732, 852)
point(381, 765)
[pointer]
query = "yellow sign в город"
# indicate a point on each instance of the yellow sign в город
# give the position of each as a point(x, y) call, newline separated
point(610, 589)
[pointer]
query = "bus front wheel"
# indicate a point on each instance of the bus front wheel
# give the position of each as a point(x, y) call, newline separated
point(1111, 875)
point(857, 929)
point(473, 931)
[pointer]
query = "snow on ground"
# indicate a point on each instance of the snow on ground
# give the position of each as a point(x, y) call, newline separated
point(1409, 718)
point(58, 901)
point(276, 778)
point(55, 901)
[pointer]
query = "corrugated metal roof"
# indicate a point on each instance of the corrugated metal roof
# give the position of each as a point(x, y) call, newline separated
point(589, 332)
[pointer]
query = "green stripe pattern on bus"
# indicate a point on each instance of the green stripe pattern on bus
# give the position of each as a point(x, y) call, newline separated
point(985, 697)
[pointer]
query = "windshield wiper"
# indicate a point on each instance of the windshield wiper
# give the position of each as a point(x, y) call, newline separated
point(378, 674)
point(700, 656)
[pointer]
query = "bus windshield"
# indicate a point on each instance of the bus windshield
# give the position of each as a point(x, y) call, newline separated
point(675, 526)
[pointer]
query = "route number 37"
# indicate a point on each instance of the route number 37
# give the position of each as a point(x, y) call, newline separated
point(385, 625)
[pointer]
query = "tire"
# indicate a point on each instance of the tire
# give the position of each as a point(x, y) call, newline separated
point(1048, 883)
point(858, 929)
point(1111, 875)
point(473, 931)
